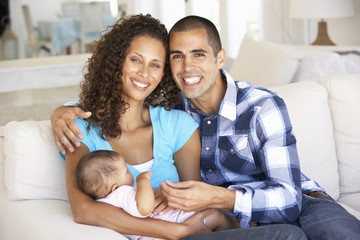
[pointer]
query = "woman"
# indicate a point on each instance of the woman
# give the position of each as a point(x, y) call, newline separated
point(129, 91)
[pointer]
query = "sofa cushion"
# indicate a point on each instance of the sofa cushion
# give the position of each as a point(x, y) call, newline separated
point(33, 167)
point(264, 63)
point(344, 99)
point(312, 125)
point(316, 64)
point(351, 200)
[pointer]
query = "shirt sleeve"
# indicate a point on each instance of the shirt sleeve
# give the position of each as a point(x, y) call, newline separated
point(71, 104)
point(184, 127)
point(89, 135)
point(277, 198)
point(91, 139)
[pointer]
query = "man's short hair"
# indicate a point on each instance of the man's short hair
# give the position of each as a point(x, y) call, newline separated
point(193, 22)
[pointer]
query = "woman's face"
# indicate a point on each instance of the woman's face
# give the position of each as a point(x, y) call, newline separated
point(143, 68)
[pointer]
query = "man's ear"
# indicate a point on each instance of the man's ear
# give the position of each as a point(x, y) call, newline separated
point(220, 58)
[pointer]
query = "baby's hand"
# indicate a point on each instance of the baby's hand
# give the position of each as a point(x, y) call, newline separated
point(147, 175)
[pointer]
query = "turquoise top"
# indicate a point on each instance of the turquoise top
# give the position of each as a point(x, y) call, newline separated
point(171, 130)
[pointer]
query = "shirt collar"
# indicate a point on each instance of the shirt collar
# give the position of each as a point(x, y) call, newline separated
point(228, 104)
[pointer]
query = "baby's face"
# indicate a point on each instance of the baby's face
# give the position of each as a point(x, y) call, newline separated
point(124, 175)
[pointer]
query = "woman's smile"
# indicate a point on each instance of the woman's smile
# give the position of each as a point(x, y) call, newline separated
point(139, 85)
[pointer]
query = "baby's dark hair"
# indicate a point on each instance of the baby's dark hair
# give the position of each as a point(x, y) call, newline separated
point(94, 171)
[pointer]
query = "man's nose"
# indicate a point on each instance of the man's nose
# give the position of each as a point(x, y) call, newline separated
point(188, 64)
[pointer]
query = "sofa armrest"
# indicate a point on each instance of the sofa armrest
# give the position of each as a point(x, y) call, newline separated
point(42, 219)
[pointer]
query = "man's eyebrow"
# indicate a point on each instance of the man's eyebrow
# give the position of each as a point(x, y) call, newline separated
point(175, 51)
point(192, 51)
point(198, 50)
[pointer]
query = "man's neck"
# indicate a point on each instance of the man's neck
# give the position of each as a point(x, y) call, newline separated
point(210, 102)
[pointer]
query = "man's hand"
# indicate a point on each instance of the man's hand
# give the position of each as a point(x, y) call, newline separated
point(64, 127)
point(196, 196)
point(161, 205)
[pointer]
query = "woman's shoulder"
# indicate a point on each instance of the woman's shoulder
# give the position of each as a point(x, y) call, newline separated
point(81, 122)
point(162, 113)
point(172, 120)
point(83, 126)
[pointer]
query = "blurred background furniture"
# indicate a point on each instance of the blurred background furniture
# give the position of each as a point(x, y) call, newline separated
point(79, 26)
point(9, 42)
point(33, 41)
point(93, 22)
point(70, 9)
point(63, 32)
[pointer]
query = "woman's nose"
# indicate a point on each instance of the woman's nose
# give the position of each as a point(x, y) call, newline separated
point(143, 71)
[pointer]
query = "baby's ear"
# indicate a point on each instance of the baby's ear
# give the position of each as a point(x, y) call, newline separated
point(114, 187)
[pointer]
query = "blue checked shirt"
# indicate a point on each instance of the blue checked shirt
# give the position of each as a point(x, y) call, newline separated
point(249, 147)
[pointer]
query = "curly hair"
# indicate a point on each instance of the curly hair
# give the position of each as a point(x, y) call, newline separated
point(102, 84)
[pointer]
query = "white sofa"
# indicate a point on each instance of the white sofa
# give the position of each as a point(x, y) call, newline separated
point(326, 118)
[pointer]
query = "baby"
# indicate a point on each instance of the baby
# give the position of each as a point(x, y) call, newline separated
point(104, 176)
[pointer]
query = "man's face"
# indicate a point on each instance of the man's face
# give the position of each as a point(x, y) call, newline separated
point(194, 67)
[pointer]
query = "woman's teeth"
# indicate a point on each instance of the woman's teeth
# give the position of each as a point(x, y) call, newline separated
point(139, 84)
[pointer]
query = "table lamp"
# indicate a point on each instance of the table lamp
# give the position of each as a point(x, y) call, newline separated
point(321, 9)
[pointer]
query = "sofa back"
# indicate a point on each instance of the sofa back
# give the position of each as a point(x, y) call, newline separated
point(307, 103)
point(344, 102)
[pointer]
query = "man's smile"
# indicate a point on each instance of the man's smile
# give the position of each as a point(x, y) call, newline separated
point(192, 80)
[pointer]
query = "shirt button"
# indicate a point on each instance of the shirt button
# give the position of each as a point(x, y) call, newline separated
point(207, 148)
point(210, 170)
point(209, 122)
point(232, 150)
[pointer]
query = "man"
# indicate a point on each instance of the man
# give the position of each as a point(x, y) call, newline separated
point(249, 161)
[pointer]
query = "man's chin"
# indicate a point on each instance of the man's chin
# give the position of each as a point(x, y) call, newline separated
point(191, 94)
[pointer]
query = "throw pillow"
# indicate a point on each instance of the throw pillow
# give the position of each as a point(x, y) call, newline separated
point(264, 63)
point(344, 99)
point(310, 116)
point(33, 167)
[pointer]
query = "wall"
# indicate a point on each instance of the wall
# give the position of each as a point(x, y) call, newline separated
point(346, 31)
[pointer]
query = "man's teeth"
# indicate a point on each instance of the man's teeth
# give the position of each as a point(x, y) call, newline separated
point(192, 80)
point(139, 84)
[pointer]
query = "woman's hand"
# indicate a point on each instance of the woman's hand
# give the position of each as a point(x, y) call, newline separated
point(64, 127)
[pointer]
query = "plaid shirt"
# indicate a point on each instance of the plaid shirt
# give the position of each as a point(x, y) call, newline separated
point(249, 147)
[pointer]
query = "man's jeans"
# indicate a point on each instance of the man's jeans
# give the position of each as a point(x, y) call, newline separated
point(268, 232)
point(324, 218)
point(320, 218)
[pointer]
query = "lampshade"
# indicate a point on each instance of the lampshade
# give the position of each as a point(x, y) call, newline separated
point(321, 9)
